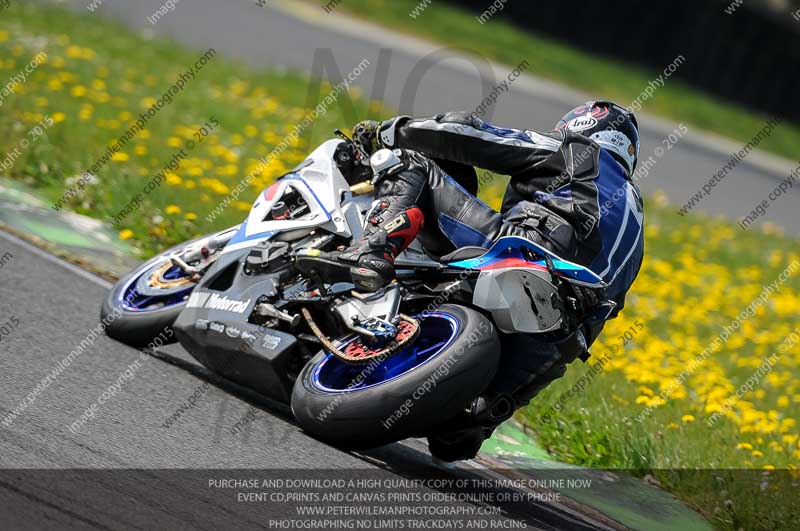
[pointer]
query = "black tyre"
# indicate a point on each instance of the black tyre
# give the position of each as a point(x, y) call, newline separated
point(136, 312)
point(409, 394)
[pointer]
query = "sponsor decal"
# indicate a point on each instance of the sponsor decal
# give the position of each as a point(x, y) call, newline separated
point(582, 123)
point(617, 142)
point(269, 341)
point(614, 138)
point(222, 303)
point(233, 332)
point(201, 324)
point(197, 299)
point(395, 224)
point(247, 336)
point(213, 301)
point(217, 327)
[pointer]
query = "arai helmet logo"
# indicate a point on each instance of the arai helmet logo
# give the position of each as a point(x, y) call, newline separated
point(216, 302)
point(581, 123)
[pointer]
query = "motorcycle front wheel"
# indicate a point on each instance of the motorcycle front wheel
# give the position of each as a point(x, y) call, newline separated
point(452, 360)
point(145, 303)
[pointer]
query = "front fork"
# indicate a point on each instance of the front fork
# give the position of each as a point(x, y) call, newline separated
point(203, 252)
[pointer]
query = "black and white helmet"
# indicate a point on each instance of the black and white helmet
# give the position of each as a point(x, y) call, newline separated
point(611, 126)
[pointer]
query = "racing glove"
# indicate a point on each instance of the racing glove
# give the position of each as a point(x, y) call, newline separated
point(365, 136)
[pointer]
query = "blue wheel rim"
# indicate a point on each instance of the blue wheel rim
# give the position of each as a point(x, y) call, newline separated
point(438, 331)
point(131, 300)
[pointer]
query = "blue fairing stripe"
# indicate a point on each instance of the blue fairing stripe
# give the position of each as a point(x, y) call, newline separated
point(509, 247)
point(241, 235)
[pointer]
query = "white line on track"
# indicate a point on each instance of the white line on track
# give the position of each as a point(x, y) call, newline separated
point(56, 260)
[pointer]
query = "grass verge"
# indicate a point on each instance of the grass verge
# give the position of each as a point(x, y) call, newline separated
point(596, 75)
point(93, 84)
point(698, 276)
point(690, 385)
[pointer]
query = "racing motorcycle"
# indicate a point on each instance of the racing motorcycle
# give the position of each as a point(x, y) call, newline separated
point(359, 369)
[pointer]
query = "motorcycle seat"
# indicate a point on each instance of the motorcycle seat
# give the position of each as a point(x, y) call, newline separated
point(464, 253)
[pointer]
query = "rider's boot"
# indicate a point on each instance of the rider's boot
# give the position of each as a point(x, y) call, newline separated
point(392, 225)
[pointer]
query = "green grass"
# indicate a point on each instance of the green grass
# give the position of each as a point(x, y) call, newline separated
point(682, 310)
point(98, 78)
point(599, 76)
point(698, 274)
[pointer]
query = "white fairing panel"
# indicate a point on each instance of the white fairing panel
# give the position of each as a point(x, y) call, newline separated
point(323, 188)
point(321, 184)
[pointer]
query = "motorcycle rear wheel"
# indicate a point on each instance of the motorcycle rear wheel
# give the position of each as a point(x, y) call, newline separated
point(411, 393)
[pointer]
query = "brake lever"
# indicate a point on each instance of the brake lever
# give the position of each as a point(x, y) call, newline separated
point(361, 156)
point(341, 134)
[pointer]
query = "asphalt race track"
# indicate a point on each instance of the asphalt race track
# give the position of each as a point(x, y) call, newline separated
point(55, 308)
point(128, 432)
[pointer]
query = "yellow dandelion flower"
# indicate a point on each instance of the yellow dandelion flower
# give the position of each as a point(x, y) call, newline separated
point(241, 205)
point(85, 113)
point(146, 103)
point(3, 36)
point(120, 157)
point(744, 446)
point(54, 84)
point(216, 185)
point(140, 150)
point(687, 418)
point(174, 141)
point(74, 52)
point(172, 209)
point(173, 179)
point(59, 117)
point(191, 216)
point(125, 234)
point(250, 131)
point(757, 453)
point(672, 426)
point(78, 91)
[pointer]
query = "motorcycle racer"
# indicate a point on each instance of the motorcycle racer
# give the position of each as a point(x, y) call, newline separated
point(571, 191)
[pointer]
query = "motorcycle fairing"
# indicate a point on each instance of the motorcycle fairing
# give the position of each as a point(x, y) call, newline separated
point(322, 187)
point(508, 252)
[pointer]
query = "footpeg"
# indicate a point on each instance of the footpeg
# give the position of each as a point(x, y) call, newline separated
point(268, 310)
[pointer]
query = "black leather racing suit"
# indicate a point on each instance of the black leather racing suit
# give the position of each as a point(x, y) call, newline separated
point(565, 193)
